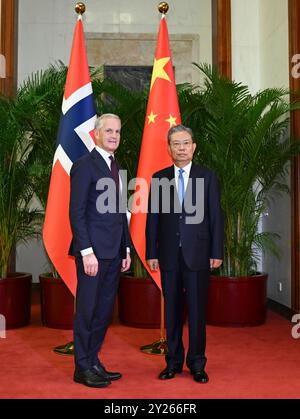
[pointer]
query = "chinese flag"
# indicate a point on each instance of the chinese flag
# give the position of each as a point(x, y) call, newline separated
point(162, 114)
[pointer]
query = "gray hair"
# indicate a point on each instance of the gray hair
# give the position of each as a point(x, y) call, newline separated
point(179, 128)
point(100, 120)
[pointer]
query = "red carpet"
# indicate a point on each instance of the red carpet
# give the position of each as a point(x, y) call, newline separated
point(259, 362)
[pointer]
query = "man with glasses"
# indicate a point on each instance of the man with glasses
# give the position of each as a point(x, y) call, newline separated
point(184, 247)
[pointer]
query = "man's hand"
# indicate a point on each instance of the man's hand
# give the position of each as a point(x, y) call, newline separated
point(153, 264)
point(215, 263)
point(126, 263)
point(90, 264)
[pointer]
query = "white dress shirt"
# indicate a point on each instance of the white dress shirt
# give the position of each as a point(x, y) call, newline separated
point(185, 174)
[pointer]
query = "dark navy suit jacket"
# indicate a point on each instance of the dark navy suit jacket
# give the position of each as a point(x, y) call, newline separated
point(106, 233)
point(166, 231)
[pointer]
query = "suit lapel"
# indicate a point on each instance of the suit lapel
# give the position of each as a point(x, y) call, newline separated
point(196, 172)
point(174, 198)
point(100, 163)
point(189, 196)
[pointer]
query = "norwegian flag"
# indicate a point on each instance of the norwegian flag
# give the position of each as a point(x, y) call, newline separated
point(74, 139)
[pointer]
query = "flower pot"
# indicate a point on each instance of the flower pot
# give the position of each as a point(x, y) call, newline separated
point(15, 299)
point(139, 303)
point(57, 303)
point(238, 301)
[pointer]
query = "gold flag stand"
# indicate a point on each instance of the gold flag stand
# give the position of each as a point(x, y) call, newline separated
point(160, 346)
point(67, 349)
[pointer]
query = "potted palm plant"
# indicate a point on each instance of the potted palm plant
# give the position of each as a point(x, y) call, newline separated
point(244, 139)
point(57, 302)
point(19, 215)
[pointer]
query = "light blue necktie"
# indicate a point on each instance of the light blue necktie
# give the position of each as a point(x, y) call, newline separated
point(181, 186)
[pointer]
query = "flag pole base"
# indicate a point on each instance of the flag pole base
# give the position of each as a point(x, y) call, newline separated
point(158, 347)
point(67, 349)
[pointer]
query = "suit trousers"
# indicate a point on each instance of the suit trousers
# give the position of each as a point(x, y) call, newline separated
point(178, 285)
point(95, 298)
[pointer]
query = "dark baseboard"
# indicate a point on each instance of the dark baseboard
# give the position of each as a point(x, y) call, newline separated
point(281, 309)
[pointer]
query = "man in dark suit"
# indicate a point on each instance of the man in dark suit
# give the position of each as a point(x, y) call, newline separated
point(184, 238)
point(101, 245)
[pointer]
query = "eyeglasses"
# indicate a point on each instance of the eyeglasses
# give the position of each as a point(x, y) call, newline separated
point(177, 144)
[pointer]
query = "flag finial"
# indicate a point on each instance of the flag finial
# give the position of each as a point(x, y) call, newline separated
point(163, 7)
point(80, 8)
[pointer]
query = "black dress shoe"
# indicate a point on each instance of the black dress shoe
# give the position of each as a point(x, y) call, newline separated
point(169, 373)
point(200, 376)
point(90, 379)
point(101, 372)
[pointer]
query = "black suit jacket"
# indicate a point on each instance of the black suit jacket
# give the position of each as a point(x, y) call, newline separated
point(166, 231)
point(106, 233)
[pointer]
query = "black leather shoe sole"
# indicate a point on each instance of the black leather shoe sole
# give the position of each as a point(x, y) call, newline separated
point(169, 373)
point(200, 377)
point(114, 377)
point(95, 384)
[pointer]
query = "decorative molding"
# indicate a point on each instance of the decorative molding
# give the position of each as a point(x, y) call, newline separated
point(294, 48)
point(221, 36)
point(139, 50)
point(8, 46)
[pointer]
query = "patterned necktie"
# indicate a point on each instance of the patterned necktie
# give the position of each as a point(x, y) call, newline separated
point(115, 173)
point(181, 186)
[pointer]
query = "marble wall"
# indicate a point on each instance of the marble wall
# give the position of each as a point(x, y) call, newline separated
point(260, 43)
point(246, 42)
point(274, 71)
point(274, 43)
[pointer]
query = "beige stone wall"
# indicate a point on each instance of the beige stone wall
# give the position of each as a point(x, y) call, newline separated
point(46, 29)
point(139, 49)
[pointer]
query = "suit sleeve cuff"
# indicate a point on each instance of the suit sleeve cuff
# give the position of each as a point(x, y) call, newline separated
point(87, 251)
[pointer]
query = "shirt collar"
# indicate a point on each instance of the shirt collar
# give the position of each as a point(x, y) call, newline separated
point(105, 154)
point(186, 168)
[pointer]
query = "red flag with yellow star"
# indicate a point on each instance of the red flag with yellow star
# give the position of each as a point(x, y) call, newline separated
point(162, 113)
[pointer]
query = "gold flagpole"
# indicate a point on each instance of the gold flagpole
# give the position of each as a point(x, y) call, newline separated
point(160, 346)
point(68, 348)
